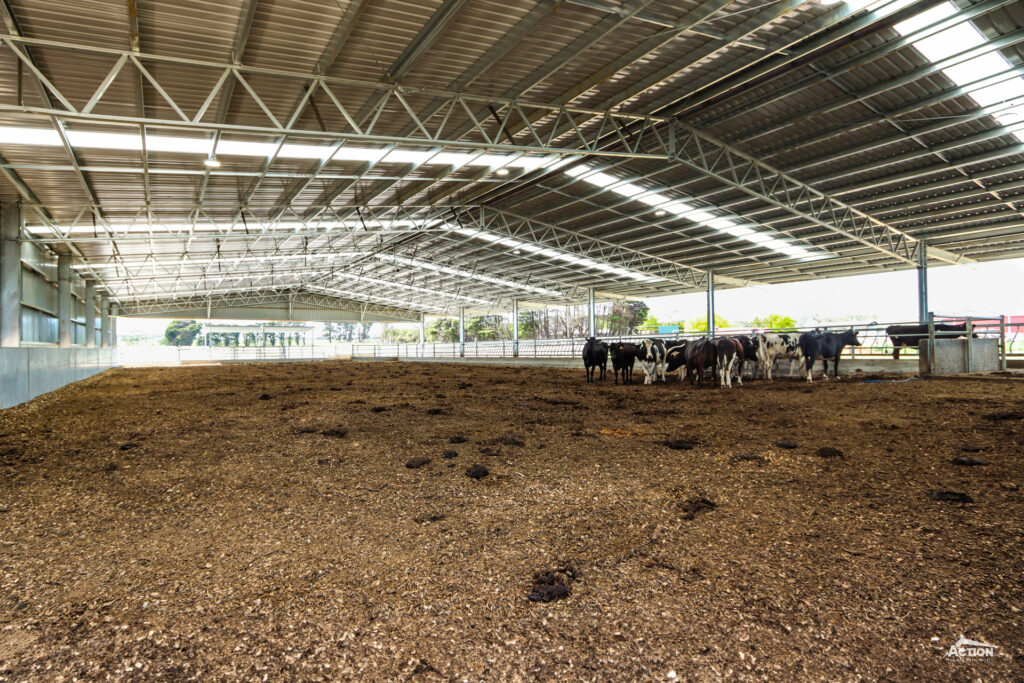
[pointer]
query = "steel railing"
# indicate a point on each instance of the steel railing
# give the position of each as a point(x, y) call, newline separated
point(173, 355)
point(874, 342)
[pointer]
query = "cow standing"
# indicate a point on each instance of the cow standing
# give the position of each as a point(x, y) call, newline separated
point(623, 357)
point(909, 336)
point(826, 346)
point(701, 355)
point(749, 355)
point(595, 355)
point(675, 358)
point(651, 353)
point(771, 347)
point(730, 355)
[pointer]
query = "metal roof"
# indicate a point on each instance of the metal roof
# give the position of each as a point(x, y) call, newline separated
point(431, 154)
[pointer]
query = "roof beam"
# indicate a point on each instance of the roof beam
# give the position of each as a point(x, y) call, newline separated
point(423, 41)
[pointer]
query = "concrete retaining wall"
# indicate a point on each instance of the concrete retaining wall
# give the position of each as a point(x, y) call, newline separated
point(27, 372)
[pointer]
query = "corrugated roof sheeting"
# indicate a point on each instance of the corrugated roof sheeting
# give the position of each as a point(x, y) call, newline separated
point(909, 168)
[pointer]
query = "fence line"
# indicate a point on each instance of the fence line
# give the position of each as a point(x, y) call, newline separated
point(874, 342)
point(173, 355)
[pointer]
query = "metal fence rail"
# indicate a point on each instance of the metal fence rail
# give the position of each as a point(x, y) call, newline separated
point(173, 355)
point(874, 342)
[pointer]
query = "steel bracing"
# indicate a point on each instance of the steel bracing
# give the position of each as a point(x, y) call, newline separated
point(625, 148)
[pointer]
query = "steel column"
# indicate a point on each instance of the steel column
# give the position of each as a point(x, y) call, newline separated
point(423, 334)
point(922, 283)
point(104, 321)
point(711, 305)
point(90, 313)
point(462, 331)
point(515, 328)
point(591, 319)
point(64, 300)
point(10, 271)
point(113, 326)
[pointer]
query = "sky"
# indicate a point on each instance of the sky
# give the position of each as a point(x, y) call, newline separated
point(988, 289)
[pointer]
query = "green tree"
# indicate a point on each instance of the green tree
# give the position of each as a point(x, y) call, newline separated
point(528, 324)
point(701, 324)
point(650, 323)
point(443, 330)
point(400, 336)
point(181, 332)
point(773, 321)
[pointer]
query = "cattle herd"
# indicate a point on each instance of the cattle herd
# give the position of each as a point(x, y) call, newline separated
point(725, 358)
point(729, 357)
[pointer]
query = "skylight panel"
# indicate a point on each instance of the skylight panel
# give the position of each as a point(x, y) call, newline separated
point(976, 69)
point(962, 37)
point(726, 224)
point(628, 190)
point(738, 231)
point(653, 199)
point(999, 93)
point(953, 40)
point(926, 18)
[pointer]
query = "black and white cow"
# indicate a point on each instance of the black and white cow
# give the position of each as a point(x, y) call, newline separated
point(651, 353)
point(750, 347)
point(595, 355)
point(623, 356)
point(826, 346)
point(908, 336)
point(772, 347)
point(675, 358)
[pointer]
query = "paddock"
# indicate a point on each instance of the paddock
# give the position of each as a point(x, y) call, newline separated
point(251, 520)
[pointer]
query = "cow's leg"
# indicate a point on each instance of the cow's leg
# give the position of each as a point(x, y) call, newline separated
point(739, 375)
point(835, 366)
point(647, 372)
point(895, 352)
point(808, 367)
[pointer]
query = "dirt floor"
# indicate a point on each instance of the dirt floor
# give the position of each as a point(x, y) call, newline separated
point(260, 522)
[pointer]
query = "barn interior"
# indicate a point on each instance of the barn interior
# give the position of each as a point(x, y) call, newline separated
point(386, 160)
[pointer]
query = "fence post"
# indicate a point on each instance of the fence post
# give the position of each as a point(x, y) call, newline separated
point(931, 342)
point(970, 345)
point(1002, 343)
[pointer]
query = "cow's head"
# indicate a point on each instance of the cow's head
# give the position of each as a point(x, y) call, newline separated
point(676, 358)
point(850, 337)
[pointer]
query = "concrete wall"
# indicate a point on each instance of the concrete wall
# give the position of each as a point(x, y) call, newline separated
point(951, 356)
point(27, 372)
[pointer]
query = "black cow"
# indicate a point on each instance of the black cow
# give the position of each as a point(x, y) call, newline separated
point(623, 357)
point(826, 346)
point(595, 355)
point(909, 335)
